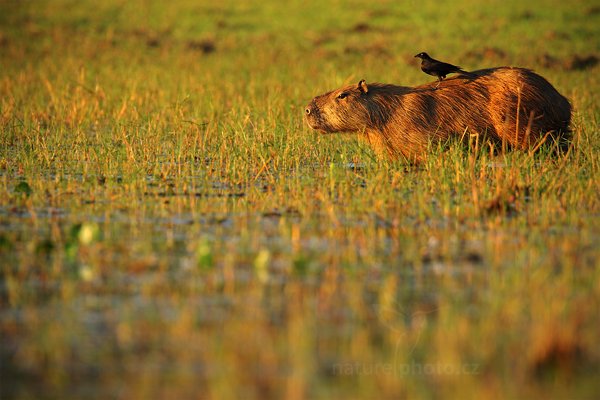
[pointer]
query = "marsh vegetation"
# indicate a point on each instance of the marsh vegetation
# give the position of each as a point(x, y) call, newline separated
point(171, 228)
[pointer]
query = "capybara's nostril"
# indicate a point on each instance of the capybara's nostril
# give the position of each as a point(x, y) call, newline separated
point(307, 110)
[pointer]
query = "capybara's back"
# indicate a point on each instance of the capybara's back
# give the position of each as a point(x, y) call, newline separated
point(541, 108)
point(400, 120)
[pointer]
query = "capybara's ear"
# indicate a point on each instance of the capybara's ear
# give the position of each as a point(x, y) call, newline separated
point(362, 86)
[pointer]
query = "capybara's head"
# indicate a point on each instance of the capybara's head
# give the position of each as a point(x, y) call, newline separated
point(344, 109)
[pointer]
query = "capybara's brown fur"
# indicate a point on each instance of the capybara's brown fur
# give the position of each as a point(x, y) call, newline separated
point(403, 121)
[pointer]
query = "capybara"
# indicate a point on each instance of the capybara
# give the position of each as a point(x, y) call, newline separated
point(403, 121)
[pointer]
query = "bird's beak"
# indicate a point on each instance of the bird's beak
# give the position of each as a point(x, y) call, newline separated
point(416, 56)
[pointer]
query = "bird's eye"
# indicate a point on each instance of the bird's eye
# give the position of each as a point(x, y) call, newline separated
point(342, 95)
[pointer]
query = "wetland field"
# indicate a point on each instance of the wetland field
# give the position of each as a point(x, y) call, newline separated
point(171, 228)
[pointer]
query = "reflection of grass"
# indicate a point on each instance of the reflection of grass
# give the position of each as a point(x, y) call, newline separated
point(169, 227)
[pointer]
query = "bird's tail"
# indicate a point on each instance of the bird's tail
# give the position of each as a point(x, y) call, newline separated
point(467, 73)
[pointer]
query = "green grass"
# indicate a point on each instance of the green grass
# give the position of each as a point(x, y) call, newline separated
point(171, 228)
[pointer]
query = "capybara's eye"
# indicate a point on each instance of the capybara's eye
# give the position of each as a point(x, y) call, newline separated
point(307, 110)
point(342, 95)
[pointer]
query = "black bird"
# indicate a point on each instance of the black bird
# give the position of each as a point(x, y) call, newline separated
point(437, 68)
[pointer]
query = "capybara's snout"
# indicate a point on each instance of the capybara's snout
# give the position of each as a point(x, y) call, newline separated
point(312, 115)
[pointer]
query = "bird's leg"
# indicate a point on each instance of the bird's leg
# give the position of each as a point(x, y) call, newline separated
point(439, 81)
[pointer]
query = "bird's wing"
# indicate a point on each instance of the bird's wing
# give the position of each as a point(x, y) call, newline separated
point(450, 66)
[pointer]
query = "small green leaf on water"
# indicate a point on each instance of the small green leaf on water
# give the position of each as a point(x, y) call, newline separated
point(84, 233)
point(88, 233)
point(74, 233)
point(23, 188)
point(261, 265)
point(204, 255)
point(87, 273)
point(71, 249)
